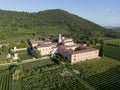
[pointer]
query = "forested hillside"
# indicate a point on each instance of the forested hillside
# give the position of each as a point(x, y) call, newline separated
point(48, 23)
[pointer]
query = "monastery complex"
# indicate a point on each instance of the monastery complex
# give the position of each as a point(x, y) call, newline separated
point(66, 47)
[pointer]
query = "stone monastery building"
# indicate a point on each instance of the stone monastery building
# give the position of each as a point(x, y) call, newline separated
point(66, 47)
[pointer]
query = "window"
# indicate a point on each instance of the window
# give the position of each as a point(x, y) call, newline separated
point(75, 59)
point(74, 55)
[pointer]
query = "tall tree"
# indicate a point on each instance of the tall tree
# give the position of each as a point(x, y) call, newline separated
point(101, 51)
point(37, 54)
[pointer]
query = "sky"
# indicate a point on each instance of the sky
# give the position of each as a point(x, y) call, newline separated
point(102, 12)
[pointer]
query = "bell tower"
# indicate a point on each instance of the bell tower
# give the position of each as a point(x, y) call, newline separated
point(60, 39)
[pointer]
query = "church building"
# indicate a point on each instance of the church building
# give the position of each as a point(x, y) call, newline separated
point(66, 47)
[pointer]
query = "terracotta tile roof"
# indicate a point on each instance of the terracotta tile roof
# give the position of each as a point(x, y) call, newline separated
point(70, 51)
point(39, 42)
point(75, 45)
point(63, 48)
point(47, 45)
point(35, 41)
point(85, 50)
point(66, 49)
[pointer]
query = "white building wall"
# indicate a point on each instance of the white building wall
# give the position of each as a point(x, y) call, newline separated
point(54, 50)
point(34, 45)
point(69, 43)
point(45, 50)
point(84, 56)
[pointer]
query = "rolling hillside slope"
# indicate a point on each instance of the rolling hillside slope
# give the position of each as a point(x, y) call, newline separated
point(48, 23)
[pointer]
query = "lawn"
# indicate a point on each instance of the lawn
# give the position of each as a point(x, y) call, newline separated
point(33, 66)
point(113, 52)
point(3, 67)
point(113, 41)
point(23, 55)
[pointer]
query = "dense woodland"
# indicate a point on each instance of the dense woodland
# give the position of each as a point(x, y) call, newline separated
point(49, 24)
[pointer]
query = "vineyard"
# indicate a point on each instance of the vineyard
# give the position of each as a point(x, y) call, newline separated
point(92, 67)
point(5, 82)
point(109, 80)
point(60, 79)
point(37, 65)
point(63, 78)
point(97, 74)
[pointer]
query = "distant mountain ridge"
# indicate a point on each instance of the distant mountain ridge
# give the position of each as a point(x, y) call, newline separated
point(47, 23)
point(112, 27)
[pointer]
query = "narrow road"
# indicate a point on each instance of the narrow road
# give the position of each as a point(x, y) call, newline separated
point(26, 61)
point(8, 63)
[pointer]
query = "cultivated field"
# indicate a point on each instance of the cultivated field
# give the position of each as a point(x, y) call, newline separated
point(59, 79)
point(63, 78)
point(23, 55)
point(113, 52)
point(5, 78)
point(37, 65)
point(5, 82)
point(92, 67)
point(109, 80)
point(113, 41)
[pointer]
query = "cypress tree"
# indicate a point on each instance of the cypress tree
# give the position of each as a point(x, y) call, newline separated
point(101, 51)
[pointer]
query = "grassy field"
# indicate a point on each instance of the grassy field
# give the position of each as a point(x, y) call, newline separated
point(23, 55)
point(113, 52)
point(92, 67)
point(4, 67)
point(113, 41)
point(33, 66)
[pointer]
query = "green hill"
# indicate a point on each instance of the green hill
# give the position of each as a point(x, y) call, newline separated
point(49, 23)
